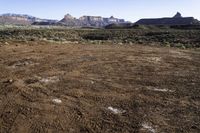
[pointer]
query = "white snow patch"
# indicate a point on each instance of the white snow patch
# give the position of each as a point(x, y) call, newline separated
point(161, 90)
point(58, 101)
point(116, 111)
point(49, 79)
point(148, 127)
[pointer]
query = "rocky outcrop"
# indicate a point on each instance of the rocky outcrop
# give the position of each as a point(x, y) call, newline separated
point(95, 21)
point(176, 20)
point(89, 21)
point(18, 19)
point(178, 15)
point(68, 20)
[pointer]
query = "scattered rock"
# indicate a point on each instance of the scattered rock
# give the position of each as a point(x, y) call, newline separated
point(8, 81)
point(6, 43)
point(21, 63)
point(130, 43)
point(31, 80)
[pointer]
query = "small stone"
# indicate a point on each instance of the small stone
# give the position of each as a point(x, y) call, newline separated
point(6, 43)
point(8, 81)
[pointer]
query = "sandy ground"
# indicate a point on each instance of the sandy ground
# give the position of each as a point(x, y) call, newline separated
point(98, 89)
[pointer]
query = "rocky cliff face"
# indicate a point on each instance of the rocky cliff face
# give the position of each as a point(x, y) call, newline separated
point(176, 20)
point(68, 20)
point(18, 19)
point(95, 21)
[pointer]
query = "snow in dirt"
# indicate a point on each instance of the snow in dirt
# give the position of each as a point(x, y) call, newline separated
point(115, 110)
point(160, 90)
point(148, 127)
point(49, 79)
point(58, 101)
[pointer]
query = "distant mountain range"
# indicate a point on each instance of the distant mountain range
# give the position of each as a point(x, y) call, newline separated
point(94, 21)
point(68, 20)
point(21, 19)
point(86, 21)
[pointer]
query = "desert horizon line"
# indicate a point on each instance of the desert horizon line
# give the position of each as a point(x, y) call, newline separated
point(26, 14)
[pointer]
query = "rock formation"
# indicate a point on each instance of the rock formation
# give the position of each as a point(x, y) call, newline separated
point(176, 20)
point(18, 19)
point(88, 21)
point(178, 15)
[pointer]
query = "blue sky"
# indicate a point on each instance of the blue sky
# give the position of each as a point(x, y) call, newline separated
point(130, 10)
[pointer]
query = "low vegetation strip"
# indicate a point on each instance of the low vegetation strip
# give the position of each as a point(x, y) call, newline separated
point(153, 36)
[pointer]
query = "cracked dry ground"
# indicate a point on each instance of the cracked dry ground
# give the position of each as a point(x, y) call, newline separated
point(98, 89)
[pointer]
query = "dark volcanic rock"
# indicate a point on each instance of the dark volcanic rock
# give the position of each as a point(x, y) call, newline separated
point(176, 20)
point(178, 15)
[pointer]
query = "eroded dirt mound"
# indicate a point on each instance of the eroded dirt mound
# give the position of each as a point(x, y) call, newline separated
point(98, 89)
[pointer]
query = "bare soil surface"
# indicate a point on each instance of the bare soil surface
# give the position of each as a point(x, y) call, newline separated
point(98, 89)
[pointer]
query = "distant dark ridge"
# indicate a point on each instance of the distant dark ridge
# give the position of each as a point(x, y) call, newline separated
point(168, 21)
point(176, 20)
point(44, 23)
point(135, 26)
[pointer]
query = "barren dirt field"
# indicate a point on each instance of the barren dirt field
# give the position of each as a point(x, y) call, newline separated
point(98, 89)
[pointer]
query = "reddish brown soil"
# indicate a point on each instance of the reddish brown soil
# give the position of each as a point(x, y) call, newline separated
point(152, 89)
